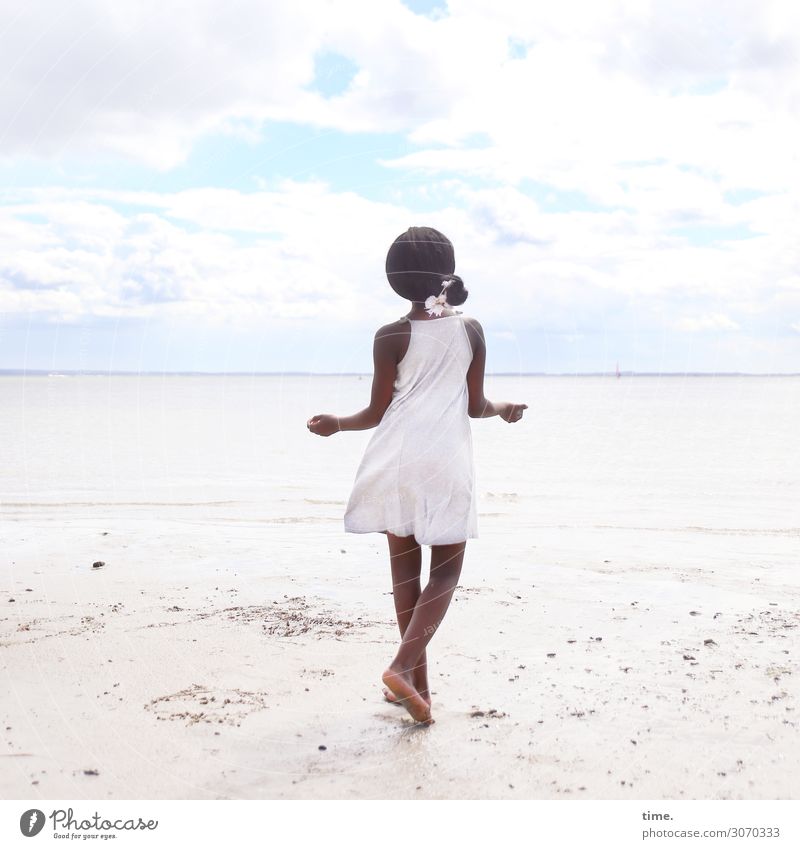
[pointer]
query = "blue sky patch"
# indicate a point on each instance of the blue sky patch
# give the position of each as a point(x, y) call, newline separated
point(552, 199)
point(517, 48)
point(333, 73)
point(699, 170)
point(347, 162)
point(736, 197)
point(701, 235)
point(708, 87)
point(428, 8)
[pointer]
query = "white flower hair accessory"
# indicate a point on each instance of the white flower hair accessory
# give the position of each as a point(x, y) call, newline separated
point(435, 304)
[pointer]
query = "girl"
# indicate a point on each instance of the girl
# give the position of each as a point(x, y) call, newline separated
point(416, 481)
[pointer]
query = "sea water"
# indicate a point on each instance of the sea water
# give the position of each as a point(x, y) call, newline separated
point(712, 458)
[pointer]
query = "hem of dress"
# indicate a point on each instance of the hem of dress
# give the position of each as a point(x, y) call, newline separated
point(469, 536)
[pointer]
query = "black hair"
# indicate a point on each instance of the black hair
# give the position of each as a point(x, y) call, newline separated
point(419, 261)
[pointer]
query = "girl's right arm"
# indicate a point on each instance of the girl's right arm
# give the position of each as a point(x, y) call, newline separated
point(384, 354)
point(480, 407)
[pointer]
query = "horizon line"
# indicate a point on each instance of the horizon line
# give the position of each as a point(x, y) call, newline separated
point(141, 373)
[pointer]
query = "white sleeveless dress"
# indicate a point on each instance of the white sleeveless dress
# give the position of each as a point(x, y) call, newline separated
point(417, 474)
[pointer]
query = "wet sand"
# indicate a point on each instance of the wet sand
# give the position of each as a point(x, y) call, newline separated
point(229, 657)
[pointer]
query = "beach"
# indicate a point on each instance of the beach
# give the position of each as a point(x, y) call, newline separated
point(626, 625)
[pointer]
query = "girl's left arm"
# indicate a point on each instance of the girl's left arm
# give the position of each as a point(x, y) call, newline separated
point(384, 356)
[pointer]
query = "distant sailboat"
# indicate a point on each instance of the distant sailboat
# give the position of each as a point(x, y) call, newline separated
point(617, 368)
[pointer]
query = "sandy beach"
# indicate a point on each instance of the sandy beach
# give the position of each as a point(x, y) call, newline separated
point(147, 679)
point(220, 653)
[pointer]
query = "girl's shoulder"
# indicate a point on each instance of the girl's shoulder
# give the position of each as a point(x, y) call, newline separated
point(390, 337)
point(473, 322)
point(474, 331)
point(392, 328)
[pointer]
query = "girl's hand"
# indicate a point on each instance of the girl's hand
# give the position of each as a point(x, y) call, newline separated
point(323, 424)
point(512, 412)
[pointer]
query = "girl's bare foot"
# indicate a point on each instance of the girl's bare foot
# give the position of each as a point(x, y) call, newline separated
point(390, 696)
point(401, 685)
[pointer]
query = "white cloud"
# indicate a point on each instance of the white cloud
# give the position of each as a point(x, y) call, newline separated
point(628, 83)
point(303, 248)
point(653, 112)
point(146, 79)
point(600, 84)
point(216, 253)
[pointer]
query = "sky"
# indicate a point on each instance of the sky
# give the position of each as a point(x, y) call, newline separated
point(213, 186)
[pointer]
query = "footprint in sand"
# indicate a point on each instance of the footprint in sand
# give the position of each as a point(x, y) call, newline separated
point(42, 628)
point(203, 704)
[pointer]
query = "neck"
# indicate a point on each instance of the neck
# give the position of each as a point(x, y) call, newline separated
point(418, 311)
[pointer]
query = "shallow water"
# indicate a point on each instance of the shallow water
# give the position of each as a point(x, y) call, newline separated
point(704, 452)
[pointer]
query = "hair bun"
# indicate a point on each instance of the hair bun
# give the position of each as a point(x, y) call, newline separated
point(456, 293)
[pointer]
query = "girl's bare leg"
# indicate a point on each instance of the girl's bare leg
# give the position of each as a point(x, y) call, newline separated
point(429, 611)
point(406, 559)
